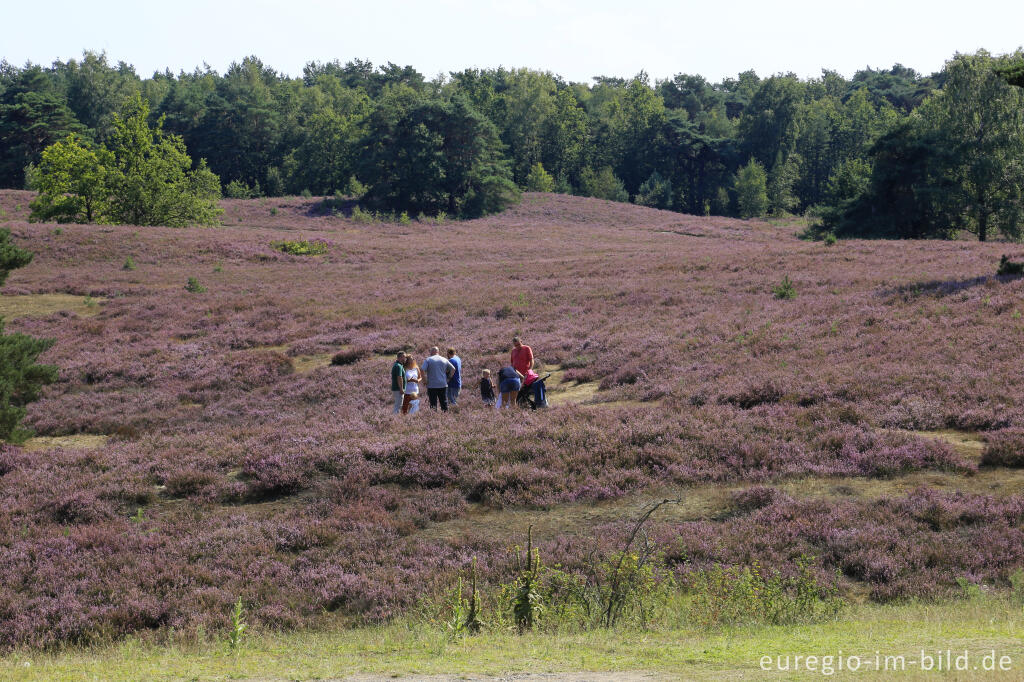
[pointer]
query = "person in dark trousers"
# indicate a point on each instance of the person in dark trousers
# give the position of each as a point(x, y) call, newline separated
point(437, 371)
point(455, 382)
point(398, 381)
point(522, 360)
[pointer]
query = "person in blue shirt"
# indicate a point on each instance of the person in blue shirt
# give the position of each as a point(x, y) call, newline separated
point(455, 380)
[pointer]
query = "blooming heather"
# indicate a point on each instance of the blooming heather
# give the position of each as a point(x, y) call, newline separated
point(265, 471)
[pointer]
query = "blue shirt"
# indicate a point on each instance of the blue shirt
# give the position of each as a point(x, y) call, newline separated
point(456, 380)
point(435, 368)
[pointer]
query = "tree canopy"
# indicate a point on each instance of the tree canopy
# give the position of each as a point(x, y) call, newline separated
point(955, 164)
point(831, 144)
point(141, 176)
point(431, 156)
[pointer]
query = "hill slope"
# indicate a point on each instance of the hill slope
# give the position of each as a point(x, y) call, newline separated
point(264, 471)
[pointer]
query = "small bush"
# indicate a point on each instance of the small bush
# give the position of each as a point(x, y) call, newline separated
point(348, 357)
point(186, 482)
point(756, 497)
point(603, 184)
point(1005, 448)
point(237, 189)
point(129, 263)
point(580, 376)
point(301, 248)
point(363, 217)
point(355, 188)
point(1009, 267)
point(539, 180)
point(623, 376)
point(734, 595)
point(830, 239)
point(785, 290)
point(193, 286)
point(753, 394)
point(238, 626)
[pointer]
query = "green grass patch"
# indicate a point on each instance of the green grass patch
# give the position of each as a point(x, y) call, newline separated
point(977, 625)
point(302, 247)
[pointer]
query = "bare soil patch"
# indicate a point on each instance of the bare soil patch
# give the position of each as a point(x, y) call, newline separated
point(965, 443)
point(567, 393)
point(304, 364)
point(82, 441)
point(41, 305)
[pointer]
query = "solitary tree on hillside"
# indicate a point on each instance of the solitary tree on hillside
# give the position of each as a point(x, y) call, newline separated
point(20, 376)
point(72, 180)
point(143, 176)
point(152, 181)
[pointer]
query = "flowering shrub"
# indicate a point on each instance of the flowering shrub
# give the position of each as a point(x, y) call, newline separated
point(300, 492)
point(756, 497)
point(1004, 448)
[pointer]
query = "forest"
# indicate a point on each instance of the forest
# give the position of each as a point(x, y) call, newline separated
point(888, 152)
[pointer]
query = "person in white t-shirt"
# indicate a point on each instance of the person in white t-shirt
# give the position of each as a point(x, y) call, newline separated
point(412, 385)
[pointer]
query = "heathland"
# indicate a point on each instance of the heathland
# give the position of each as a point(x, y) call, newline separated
point(858, 405)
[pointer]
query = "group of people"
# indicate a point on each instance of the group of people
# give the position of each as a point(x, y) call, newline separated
point(443, 379)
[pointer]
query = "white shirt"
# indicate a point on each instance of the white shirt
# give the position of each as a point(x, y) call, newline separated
point(412, 386)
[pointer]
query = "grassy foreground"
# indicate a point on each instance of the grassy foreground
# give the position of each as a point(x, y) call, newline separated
point(977, 626)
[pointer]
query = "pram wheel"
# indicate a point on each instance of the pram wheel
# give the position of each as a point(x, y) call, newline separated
point(528, 395)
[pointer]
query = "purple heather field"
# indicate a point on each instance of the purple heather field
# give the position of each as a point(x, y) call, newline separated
point(263, 471)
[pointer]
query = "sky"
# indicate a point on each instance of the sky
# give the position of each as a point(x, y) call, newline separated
point(577, 39)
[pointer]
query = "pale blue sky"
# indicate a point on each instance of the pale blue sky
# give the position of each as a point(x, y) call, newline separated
point(574, 38)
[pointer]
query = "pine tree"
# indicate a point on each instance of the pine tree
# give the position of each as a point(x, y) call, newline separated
point(20, 376)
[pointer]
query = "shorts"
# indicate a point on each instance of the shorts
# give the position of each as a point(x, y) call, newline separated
point(509, 385)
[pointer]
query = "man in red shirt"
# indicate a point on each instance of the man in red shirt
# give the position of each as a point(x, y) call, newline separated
point(522, 361)
point(522, 356)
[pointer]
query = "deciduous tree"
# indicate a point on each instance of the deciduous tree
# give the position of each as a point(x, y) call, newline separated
point(72, 181)
point(978, 119)
point(751, 190)
point(143, 177)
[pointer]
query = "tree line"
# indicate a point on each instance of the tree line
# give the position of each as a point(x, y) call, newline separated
point(888, 152)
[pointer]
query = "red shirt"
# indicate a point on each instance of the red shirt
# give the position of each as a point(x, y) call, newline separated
point(522, 358)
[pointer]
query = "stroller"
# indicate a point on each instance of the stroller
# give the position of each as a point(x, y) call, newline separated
point(533, 386)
